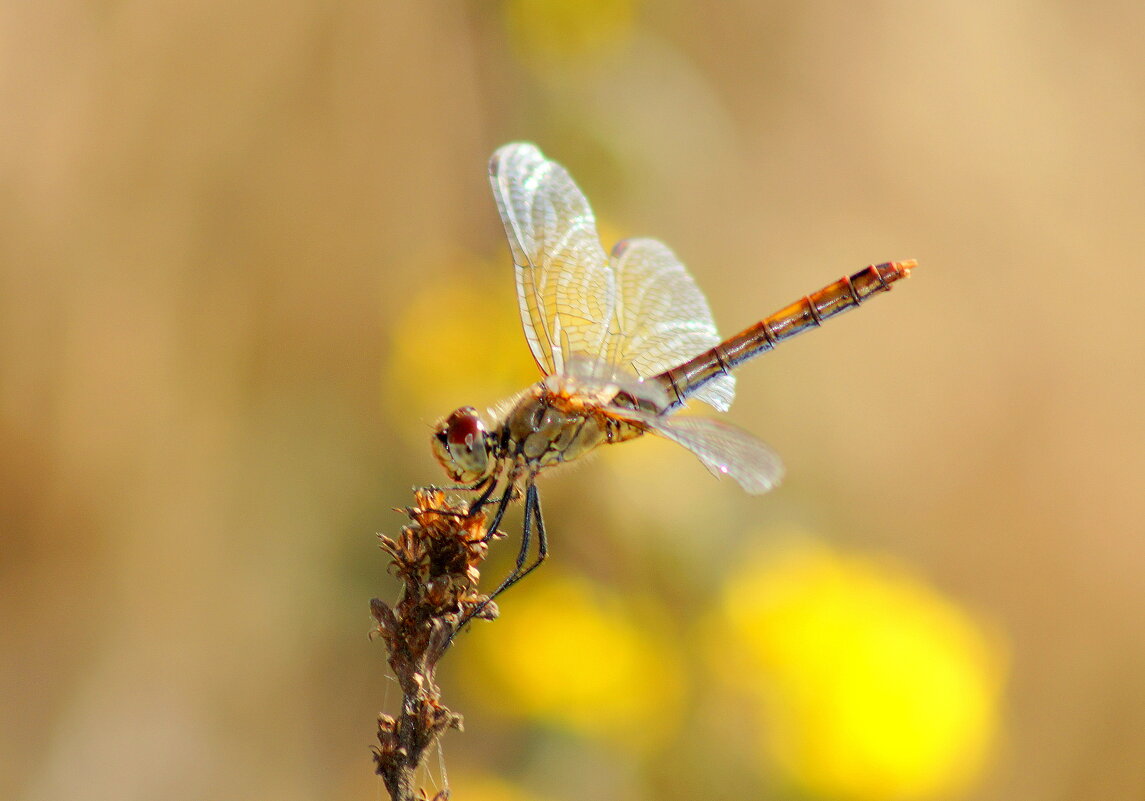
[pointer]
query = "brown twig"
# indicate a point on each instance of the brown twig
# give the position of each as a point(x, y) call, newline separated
point(436, 558)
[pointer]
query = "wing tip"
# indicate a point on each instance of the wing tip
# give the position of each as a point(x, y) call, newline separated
point(748, 483)
point(762, 489)
point(511, 150)
point(650, 242)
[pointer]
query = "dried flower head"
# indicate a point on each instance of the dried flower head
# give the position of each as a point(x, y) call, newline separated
point(436, 557)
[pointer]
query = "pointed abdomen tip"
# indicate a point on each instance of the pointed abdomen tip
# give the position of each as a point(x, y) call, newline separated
point(905, 267)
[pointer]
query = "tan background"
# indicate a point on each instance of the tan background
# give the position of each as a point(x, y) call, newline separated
point(216, 217)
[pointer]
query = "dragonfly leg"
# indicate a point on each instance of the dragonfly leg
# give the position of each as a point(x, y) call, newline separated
point(489, 484)
point(502, 505)
point(532, 513)
point(483, 498)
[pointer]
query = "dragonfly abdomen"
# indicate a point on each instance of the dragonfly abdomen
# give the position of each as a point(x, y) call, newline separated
point(809, 312)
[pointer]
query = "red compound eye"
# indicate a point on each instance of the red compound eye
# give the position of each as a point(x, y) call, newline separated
point(463, 426)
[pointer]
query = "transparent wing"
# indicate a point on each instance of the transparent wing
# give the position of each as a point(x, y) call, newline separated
point(565, 286)
point(595, 377)
point(661, 317)
point(724, 449)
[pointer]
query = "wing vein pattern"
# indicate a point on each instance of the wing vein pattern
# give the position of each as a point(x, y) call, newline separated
point(637, 309)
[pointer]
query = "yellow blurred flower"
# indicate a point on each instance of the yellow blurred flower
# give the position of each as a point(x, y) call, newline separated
point(553, 33)
point(873, 685)
point(458, 342)
point(567, 654)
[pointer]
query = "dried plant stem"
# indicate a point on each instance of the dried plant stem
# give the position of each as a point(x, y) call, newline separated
point(436, 558)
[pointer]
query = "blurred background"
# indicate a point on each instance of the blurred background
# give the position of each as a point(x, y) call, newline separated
point(248, 256)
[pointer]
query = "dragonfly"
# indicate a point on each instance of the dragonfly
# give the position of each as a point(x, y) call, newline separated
point(623, 341)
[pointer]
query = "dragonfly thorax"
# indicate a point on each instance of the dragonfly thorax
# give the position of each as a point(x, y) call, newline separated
point(547, 425)
point(463, 446)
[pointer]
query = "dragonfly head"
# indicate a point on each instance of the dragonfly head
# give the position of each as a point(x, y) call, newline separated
point(461, 443)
